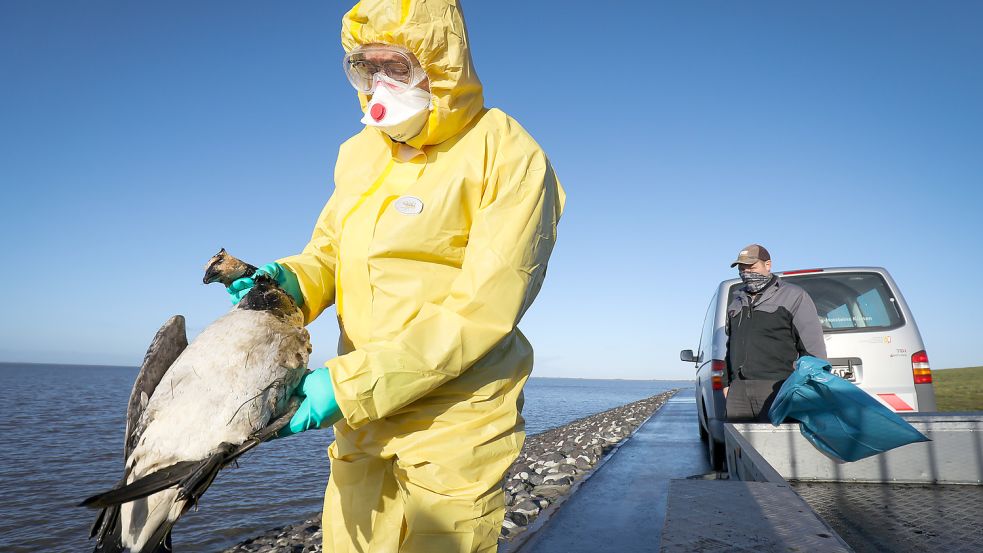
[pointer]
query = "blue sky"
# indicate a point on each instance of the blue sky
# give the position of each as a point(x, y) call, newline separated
point(138, 138)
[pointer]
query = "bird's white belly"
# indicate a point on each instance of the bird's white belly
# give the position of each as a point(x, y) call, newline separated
point(224, 386)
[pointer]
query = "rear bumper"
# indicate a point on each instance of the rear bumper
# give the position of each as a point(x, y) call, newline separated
point(925, 394)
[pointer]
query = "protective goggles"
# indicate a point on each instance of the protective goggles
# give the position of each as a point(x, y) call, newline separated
point(364, 63)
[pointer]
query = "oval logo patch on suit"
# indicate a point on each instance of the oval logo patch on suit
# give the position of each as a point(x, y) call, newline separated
point(409, 205)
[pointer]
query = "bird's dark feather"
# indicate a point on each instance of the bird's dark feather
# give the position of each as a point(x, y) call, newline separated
point(165, 348)
point(142, 487)
point(191, 477)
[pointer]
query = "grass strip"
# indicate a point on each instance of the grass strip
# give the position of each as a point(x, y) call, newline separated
point(959, 389)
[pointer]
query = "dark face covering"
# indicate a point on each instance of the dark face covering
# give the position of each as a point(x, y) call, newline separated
point(754, 282)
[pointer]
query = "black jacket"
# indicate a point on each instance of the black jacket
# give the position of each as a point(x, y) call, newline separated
point(765, 339)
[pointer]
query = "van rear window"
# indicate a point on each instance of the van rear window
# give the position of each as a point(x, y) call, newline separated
point(850, 301)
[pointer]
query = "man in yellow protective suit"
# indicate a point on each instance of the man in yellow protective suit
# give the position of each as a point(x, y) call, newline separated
point(432, 246)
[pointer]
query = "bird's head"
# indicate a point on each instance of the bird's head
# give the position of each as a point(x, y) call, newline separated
point(224, 268)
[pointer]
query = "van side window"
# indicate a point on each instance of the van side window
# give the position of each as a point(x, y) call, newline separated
point(706, 336)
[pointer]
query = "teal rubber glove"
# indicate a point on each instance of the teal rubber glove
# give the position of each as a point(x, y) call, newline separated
point(319, 407)
point(282, 275)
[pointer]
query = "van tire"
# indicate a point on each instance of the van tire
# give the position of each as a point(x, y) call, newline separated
point(715, 454)
point(704, 435)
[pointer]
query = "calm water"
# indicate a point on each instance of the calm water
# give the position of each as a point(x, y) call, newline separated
point(63, 428)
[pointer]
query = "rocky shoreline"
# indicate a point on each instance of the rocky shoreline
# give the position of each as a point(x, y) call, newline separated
point(550, 464)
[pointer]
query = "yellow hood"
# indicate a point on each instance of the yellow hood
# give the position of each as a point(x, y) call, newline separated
point(434, 31)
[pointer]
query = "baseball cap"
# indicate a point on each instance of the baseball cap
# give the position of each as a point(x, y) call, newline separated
point(752, 254)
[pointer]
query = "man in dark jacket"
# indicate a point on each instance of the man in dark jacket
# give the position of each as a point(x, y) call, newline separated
point(770, 324)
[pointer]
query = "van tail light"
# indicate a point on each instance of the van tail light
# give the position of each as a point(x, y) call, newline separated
point(717, 368)
point(920, 368)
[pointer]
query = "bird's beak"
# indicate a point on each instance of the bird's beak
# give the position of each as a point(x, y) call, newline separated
point(217, 268)
point(212, 273)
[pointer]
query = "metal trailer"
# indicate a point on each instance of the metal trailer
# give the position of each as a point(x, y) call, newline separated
point(920, 497)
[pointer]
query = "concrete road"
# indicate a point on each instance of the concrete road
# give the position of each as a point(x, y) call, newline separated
point(622, 507)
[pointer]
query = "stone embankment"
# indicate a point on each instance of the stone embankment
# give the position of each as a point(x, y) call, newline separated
point(548, 466)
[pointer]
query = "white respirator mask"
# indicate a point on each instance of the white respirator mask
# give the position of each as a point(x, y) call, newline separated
point(395, 110)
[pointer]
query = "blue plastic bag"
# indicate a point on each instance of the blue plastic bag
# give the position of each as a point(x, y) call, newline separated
point(838, 418)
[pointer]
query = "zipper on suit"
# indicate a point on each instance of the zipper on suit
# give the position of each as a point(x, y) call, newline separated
point(339, 295)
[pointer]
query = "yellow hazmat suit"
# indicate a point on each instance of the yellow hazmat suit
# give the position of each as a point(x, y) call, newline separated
point(432, 253)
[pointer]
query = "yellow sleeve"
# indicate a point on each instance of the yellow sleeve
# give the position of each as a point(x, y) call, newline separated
point(511, 238)
point(315, 266)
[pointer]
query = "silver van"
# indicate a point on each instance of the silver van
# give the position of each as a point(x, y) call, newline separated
point(871, 340)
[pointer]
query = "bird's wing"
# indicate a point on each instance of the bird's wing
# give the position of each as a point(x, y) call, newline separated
point(167, 345)
point(191, 477)
point(267, 433)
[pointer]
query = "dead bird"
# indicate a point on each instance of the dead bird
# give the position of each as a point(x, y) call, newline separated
point(195, 408)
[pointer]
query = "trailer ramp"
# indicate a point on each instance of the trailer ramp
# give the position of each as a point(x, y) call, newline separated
point(759, 517)
point(925, 497)
point(900, 517)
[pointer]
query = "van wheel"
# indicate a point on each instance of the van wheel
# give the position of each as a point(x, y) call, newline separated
point(715, 454)
point(704, 435)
